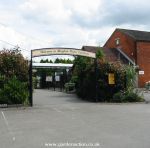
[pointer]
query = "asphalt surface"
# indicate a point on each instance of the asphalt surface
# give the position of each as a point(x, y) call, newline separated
point(61, 118)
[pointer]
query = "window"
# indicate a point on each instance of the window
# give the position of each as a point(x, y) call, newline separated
point(117, 40)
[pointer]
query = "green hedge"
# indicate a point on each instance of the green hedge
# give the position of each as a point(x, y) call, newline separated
point(14, 92)
point(84, 76)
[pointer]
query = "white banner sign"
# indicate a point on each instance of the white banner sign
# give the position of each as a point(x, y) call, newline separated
point(57, 78)
point(49, 78)
point(61, 51)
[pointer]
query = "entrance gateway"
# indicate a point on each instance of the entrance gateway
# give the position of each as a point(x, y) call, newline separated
point(54, 51)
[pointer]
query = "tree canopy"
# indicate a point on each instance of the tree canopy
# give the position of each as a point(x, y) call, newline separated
point(13, 63)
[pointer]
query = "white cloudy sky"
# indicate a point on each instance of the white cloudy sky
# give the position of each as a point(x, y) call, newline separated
point(34, 24)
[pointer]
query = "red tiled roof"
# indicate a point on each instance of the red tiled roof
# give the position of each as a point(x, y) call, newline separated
point(109, 54)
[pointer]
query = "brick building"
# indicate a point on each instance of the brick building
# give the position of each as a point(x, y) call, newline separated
point(133, 47)
point(111, 55)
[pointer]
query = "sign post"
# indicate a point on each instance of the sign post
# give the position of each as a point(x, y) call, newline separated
point(30, 83)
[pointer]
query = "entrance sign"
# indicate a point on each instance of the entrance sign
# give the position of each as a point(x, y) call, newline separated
point(61, 51)
point(111, 78)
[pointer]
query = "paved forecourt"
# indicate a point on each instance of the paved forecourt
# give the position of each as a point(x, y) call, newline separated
point(57, 118)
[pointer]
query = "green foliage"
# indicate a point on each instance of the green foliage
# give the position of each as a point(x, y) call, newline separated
point(46, 61)
point(35, 81)
point(2, 81)
point(13, 63)
point(106, 91)
point(132, 97)
point(69, 87)
point(14, 92)
point(65, 61)
point(130, 78)
point(118, 97)
point(127, 96)
point(74, 79)
point(84, 75)
point(100, 54)
point(82, 64)
point(13, 77)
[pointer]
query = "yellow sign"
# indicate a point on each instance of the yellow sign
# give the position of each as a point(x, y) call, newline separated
point(61, 51)
point(111, 78)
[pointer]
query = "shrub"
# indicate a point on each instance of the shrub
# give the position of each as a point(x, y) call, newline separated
point(132, 97)
point(118, 97)
point(74, 79)
point(2, 81)
point(127, 97)
point(130, 78)
point(13, 77)
point(85, 72)
point(14, 92)
point(13, 63)
point(69, 87)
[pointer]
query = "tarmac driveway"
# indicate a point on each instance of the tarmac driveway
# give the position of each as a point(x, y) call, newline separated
point(64, 120)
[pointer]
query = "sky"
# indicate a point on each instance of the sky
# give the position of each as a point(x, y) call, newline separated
point(32, 24)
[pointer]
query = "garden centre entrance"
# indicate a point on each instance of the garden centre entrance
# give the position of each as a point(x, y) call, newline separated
point(53, 51)
point(52, 76)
